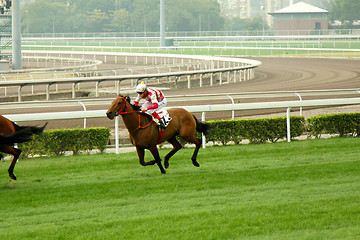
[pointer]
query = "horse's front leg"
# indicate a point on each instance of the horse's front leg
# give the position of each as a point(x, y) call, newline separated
point(154, 151)
point(141, 153)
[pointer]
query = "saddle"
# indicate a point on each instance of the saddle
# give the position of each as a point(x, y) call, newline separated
point(164, 119)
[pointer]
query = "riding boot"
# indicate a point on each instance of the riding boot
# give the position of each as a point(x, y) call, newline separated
point(158, 120)
point(162, 123)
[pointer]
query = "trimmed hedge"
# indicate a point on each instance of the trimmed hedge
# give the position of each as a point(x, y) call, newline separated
point(339, 123)
point(57, 142)
point(272, 129)
point(258, 130)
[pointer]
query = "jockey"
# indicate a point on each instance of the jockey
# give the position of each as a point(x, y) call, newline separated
point(155, 101)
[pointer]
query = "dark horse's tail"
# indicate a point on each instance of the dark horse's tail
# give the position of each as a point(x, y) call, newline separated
point(22, 134)
point(201, 127)
point(34, 130)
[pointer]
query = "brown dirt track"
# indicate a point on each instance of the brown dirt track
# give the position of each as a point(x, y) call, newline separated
point(275, 74)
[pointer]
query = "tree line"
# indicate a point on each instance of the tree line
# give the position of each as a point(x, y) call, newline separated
point(346, 11)
point(67, 16)
point(119, 16)
point(85, 16)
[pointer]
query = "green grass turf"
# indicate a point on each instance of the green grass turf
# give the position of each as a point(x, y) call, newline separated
point(299, 190)
point(320, 45)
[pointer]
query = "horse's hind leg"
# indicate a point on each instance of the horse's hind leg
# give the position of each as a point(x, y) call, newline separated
point(16, 153)
point(154, 151)
point(176, 147)
point(197, 143)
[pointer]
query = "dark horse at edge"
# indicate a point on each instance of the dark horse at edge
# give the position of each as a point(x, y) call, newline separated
point(145, 134)
point(11, 133)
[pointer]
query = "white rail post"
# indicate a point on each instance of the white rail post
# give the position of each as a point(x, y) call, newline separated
point(118, 87)
point(73, 90)
point(5, 89)
point(288, 124)
point(47, 92)
point(84, 107)
point(97, 89)
point(202, 134)
point(232, 102)
point(297, 94)
point(19, 93)
point(117, 135)
point(220, 78)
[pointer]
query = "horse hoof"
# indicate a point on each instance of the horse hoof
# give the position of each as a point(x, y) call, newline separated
point(166, 164)
point(163, 171)
point(196, 164)
point(12, 176)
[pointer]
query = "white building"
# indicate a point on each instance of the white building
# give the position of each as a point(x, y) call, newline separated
point(256, 8)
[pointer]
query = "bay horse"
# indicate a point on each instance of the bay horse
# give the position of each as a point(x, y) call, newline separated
point(11, 133)
point(145, 134)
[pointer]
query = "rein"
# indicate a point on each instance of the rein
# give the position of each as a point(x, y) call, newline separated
point(121, 112)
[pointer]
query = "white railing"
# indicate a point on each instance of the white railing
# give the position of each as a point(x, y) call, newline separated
point(66, 63)
point(210, 49)
point(242, 69)
point(193, 109)
point(147, 36)
point(292, 49)
point(176, 98)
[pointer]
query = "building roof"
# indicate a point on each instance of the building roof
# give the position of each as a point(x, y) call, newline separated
point(300, 7)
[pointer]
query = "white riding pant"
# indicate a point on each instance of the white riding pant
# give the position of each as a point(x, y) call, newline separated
point(161, 104)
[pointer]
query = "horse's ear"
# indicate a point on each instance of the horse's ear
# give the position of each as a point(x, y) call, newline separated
point(127, 98)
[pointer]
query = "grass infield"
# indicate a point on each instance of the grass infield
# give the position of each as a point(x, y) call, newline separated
point(299, 190)
point(333, 48)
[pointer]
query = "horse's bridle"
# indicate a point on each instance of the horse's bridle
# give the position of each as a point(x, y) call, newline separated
point(121, 112)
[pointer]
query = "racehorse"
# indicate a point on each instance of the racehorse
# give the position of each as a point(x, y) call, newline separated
point(145, 134)
point(12, 133)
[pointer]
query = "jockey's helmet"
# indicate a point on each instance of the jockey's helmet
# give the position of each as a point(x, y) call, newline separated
point(140, 88)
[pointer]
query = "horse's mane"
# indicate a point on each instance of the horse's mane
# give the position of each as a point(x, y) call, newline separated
point(136, 108)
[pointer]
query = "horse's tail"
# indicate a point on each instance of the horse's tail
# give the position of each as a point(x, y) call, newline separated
point(23, 135)
point(34, 130)
point(201, 127)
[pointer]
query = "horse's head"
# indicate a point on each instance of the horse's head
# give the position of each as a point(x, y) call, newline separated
point(120, 104)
